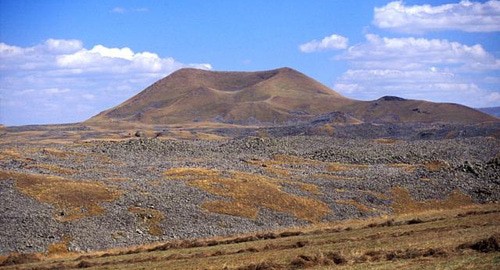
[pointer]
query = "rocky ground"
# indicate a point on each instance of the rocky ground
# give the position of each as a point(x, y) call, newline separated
point(354, 178)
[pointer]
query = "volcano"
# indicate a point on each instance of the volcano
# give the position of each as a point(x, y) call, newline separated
point(271, 97)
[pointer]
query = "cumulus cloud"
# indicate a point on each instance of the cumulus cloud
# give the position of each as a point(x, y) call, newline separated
point(333, 42)
point(418, 68)
point(411, 53)
point(463, 16)
point(49, 81)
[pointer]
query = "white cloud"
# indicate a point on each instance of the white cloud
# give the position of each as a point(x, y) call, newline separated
point(411, 53)
point(464, 16)
point(119, 10)
point(122, 10)
point(46, 83)
point(418, 68)
point(333, 42)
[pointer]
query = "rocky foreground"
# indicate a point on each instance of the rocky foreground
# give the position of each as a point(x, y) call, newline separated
point(98, 195)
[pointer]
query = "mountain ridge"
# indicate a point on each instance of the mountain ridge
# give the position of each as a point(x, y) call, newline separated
point(277, 96)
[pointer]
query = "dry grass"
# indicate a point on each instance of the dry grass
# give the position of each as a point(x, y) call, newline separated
point(449, 239)
point(436, 165)
point(53, 168)
point(404, 203)
point(288, 159)
point(403, 166)
point(276, 171)
point(248, 192)
point(361, 207)
point(191, 173)
point(73, 199)
point(150, 218)
point(10, 154)
point(340, 167)
point(59, 248)
point(233, 208)
point(55, 152)
point(255, 191)
point(311, 188)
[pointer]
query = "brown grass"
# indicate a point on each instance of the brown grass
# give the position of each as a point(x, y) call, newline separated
point(448, 239)
point(191, 173)
point(55, 152)
point(361, 207)
point(311, 188)
point(403, 166)
point(436, 165)
point(248, 192)
point(151, 218)
point(73, 199)
point(59, 248)
point(53, 168)
point(277, 171)
point(231, 208)
point(404, 203)
point(340, 167)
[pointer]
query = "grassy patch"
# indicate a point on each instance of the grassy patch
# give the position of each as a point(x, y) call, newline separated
point(233, 208)
point(53, 168)
point(404, 203)
point(447, 239)
point(59, 248)
point(73, 199)
point(311, 188)
point(361, 207)
point(436, 165)
point(248, 192)
point(340, 167)
point(190, 173)
point(403, 166)
point(151, 218)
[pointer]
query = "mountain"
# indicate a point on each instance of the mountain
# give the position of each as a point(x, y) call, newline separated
point(494, 111)
point(268, 97)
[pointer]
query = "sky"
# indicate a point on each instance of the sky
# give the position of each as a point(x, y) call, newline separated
point(63, 61)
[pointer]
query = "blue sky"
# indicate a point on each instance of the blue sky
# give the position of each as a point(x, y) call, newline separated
point(64, 61)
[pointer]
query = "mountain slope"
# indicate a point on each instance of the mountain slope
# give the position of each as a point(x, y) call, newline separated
point(267, 97)
point(494, 111)
point(397, 110)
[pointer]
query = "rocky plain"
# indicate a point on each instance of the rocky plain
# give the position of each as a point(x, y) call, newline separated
point(99, 194)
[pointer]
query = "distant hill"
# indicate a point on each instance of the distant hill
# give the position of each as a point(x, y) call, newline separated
point(494, 111)
point(277, 96)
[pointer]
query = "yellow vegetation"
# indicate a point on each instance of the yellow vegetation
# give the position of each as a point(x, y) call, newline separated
point(249, 192)
point(59, 248)
point(233, 208)
point(404, 203)
point(436, 165)
point(361, 207)
point(403, 166)
point(277, 171)
point(339, 167)
point(151, 218)
point(73, 199)
point(190, 173)
point(386, 141)
point(311, 188)
point(53, 168)
point(55, 152)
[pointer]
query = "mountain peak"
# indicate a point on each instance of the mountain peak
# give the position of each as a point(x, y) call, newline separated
point(268, 97)
point(187, 95)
